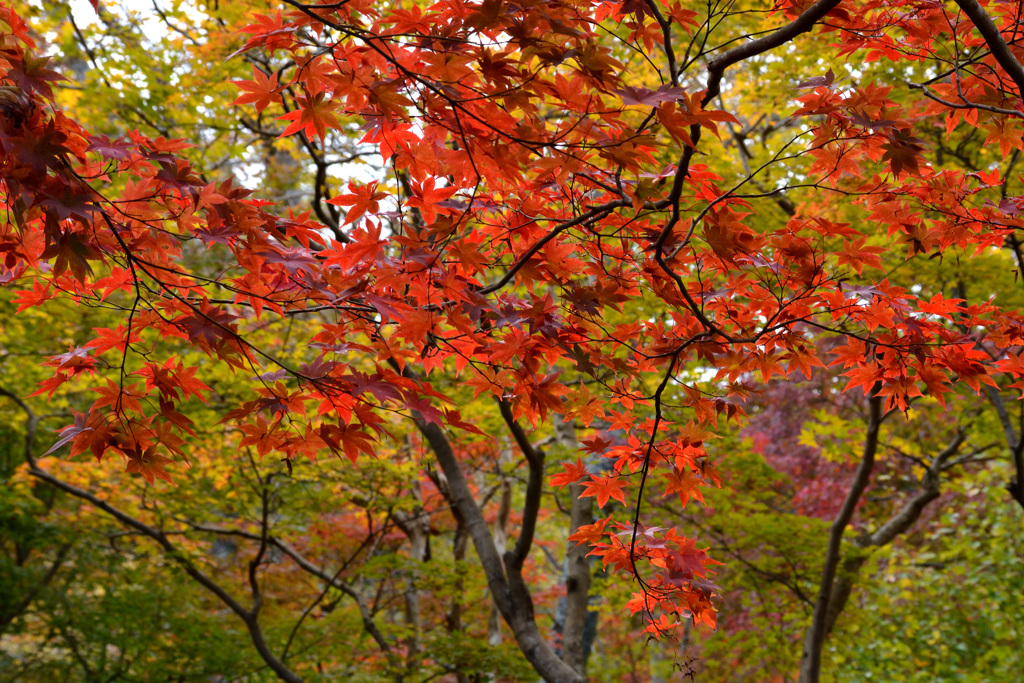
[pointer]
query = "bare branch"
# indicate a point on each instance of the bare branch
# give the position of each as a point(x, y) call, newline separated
point(179, 556)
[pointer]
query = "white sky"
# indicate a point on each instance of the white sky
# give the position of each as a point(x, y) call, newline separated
point(152, 27)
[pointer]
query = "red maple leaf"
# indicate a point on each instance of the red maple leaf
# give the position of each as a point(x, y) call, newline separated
point(150, 465)
point(361, 199)
point(313, 116)
point(261, 92)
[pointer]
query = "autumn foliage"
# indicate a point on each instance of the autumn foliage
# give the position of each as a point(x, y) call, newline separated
point(542, 228)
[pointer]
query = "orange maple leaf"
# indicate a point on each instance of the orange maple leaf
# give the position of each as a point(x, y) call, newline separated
point(604, 488)
point(685, 483)
point(573, 472)
point(590, 533)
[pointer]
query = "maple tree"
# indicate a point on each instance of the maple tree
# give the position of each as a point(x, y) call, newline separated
point(548, 253)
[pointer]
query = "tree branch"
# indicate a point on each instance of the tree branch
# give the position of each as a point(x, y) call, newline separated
point(577, 569)
point(1000, 50)
point(173, 552)
point(534, 485)
point(509, 592)
point(332, 580)
point(810, 668)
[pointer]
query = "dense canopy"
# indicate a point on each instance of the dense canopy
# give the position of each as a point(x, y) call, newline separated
point(492, 340)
